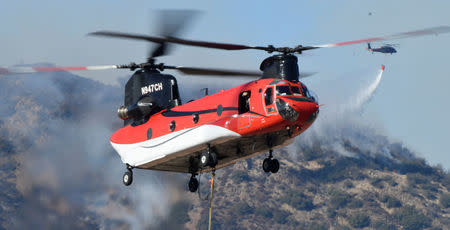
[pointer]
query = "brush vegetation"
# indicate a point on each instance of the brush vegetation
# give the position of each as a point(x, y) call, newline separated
point(332, 191)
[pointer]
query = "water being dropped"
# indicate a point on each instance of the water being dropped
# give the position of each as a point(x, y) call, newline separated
point(365, 94)
point(340, 122)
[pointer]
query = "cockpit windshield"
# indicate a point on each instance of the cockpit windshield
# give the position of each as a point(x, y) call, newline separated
point(283, 90)
point(302, 90)
point(296, 91)
point(309, 94)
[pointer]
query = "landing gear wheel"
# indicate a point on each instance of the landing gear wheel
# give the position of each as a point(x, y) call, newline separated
point(271, 165)
point(275, 166)
point(213, 159)
point(267, 163)
point(208, 158)
point(127, 178)
point(193, 184)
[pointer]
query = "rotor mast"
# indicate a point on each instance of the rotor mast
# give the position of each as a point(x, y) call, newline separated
point(282, 66)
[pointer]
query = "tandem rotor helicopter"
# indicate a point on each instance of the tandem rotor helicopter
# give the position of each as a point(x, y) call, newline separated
point(203, 135)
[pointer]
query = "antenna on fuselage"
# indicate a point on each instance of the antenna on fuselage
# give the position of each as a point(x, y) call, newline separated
point(206, 91)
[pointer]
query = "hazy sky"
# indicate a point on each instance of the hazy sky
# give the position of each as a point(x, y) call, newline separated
point(411, 104)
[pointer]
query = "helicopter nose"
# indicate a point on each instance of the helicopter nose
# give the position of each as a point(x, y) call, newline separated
point(310, 111)
point(303, 109)
point(313, 115)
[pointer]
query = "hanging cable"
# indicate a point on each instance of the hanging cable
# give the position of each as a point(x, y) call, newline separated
point(211, 198)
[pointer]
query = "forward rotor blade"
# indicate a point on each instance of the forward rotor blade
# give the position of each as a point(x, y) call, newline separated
point(215, 45)
point(225, 72)
point(215, 72)
point(415, 33)
point(26, 69)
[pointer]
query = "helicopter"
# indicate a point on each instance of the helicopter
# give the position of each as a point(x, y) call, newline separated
point(386, 48)
point(218, 130)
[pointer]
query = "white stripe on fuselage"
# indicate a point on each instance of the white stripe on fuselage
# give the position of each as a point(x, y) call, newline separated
point(177, 143)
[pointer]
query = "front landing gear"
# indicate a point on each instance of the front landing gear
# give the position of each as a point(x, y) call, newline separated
point(271, 165)
point(127, 178)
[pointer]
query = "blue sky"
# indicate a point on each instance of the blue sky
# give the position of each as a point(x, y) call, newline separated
point(411, 104)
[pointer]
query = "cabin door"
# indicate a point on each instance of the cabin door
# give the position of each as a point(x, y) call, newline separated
point(244, 109)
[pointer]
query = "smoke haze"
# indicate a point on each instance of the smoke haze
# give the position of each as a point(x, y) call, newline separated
point(59, 125)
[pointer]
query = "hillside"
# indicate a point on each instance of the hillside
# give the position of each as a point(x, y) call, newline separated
point(58, 171)
point(322, 189)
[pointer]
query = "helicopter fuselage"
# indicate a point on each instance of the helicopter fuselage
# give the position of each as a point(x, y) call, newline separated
point(387, 49)
point(237, 123)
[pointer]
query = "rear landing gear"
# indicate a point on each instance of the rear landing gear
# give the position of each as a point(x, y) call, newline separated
point(193, 184)
point(275, 166)
point(207, 158)
point(271, 165)
point(127, 178)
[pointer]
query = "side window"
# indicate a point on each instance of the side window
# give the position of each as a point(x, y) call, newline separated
point(244, 102)
point(268, 96)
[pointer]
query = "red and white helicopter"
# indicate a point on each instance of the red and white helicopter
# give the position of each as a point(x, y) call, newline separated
point(161, 133)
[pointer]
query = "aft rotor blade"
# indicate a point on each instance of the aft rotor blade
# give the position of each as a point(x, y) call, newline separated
point(215, 45)
point(306, 74)
point(171, 22)
point(415, 33)
point(26, 69)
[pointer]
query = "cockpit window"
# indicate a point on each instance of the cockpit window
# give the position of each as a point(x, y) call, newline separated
point(304, 91)
point(283, 90)
point(296, 91)
point(268, 96)
point(309, 94)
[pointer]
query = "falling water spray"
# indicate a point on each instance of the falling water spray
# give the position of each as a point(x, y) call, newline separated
point(365, 94)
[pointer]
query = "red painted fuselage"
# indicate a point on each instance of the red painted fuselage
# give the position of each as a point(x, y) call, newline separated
point(238, 123)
